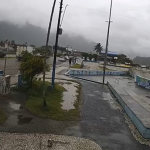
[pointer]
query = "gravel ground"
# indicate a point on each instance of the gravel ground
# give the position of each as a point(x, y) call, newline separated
point(40, 142)
point(101, 120)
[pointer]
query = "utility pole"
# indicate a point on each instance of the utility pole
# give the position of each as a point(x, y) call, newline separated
point(47, 40)
point(56, 44)
point(4, 73)
point(107, 42)
point(5, 65)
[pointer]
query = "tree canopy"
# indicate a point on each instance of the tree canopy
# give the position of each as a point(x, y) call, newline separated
point(31, 66)
point(41, 51)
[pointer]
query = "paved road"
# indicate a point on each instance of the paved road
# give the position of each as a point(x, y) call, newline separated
point(12, 66)
point(101, 120)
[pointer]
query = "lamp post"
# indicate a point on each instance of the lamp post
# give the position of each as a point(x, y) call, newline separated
point(107, 42)
point(63, 15)
point(47, 40)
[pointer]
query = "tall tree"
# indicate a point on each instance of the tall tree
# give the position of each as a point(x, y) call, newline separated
point(31, 66)
point(98, 48)
point(2, 43)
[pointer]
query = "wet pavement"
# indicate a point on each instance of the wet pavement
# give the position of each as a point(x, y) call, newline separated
point(100, 119)
point(12, 66)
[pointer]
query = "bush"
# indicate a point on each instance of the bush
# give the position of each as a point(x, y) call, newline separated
point(2, 55)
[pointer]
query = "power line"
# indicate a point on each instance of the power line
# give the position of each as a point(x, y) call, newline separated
point(108, 13)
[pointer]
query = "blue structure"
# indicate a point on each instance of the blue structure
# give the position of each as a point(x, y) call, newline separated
point(141, 81)
point(113, 54)
point(1, 73)
point(95, 73)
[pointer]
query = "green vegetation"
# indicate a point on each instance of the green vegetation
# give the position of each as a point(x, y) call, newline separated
point(77, 66)
point(31, 66)
point(58, 55)
point(124, 59)
point(107, 69)
point(42, 50)
point(54, 98)
point(3, 117)
point(90, 56)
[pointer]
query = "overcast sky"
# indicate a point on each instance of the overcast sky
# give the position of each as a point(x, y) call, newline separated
point(129, 32)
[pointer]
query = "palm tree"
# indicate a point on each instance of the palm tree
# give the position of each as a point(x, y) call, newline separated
point(98, 48)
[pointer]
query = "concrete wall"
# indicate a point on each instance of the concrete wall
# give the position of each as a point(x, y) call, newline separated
point(5, 84)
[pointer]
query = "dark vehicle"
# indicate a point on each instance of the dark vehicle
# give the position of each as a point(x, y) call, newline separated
point(20, 57)
point(2, 55)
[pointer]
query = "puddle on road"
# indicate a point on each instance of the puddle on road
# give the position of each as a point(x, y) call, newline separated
point(110, 99)
point(15, 120)
point(120, 137)
point(15, 106)
point(107, 96)
point(69, 96)
point(91, 95)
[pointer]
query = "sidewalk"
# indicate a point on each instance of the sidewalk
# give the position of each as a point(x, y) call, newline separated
point(135, 101)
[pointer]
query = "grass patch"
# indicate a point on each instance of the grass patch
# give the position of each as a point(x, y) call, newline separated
point(77, 66)
point(54, 99)
point(3, 117)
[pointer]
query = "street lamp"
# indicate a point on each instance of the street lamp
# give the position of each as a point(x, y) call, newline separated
point(107, 41)
point(63, 15)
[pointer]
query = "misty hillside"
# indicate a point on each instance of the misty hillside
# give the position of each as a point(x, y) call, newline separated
point(37, 36)
point(142, 61)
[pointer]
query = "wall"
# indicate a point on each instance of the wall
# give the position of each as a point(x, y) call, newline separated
point(96, 73)
point(143, 82)
point(5, 84)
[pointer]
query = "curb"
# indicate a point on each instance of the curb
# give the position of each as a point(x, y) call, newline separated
point(86, 79)
point(145, 132)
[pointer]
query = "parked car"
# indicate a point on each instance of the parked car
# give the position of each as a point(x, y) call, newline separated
point(20, 57)
point(2, 55)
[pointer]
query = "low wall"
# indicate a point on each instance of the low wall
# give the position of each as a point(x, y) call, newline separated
point(96, 73)
point(5, 84)
point(141, 81)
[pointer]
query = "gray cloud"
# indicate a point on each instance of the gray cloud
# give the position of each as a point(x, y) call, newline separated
point(128, 34)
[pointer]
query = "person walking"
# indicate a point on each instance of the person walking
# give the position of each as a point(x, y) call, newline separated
point(70, 59)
